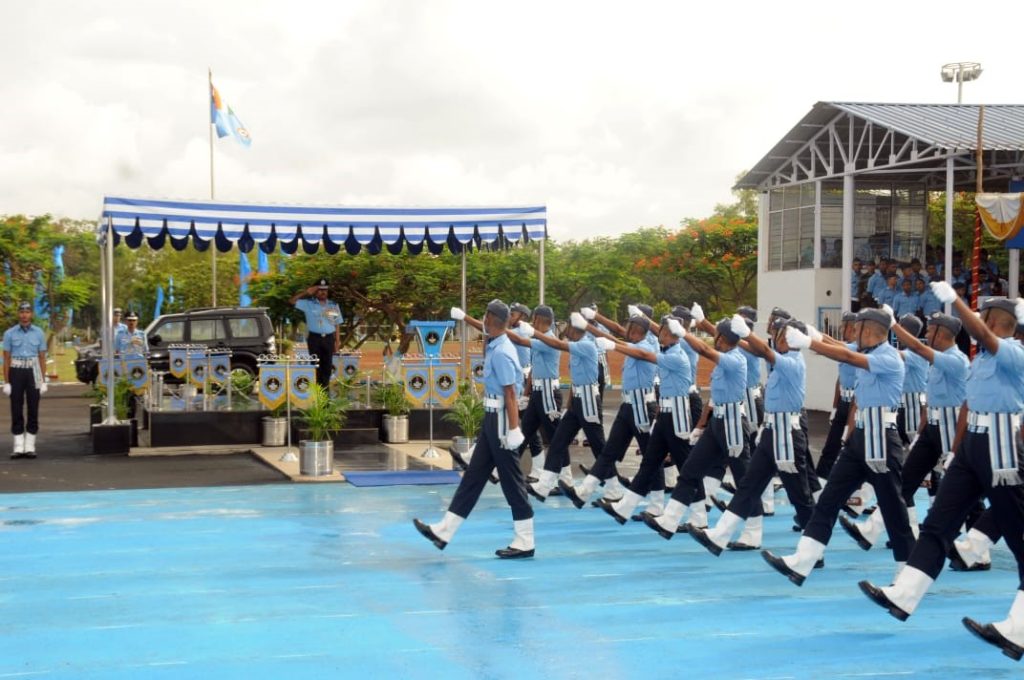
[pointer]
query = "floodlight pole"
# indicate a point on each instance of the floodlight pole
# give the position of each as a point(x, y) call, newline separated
point(213, 245)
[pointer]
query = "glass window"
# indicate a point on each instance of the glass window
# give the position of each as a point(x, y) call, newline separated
point(832, 235)
point(775, 241)
point(172, 331)
point(204, 330)
point(244, 327)
point(806, 238)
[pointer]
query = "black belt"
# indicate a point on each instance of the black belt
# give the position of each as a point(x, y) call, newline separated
point(321, 335)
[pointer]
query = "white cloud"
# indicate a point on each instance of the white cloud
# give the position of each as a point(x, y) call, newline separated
point(616, 115)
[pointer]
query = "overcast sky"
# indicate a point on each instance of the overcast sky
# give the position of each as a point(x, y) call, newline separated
point(615, 114)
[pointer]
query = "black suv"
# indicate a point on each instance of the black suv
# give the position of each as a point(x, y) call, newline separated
point(246, 331)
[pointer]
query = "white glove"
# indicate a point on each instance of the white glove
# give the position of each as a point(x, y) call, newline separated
point(525, 329)
point(738, 325)
point(43, 388)
point(676, 328)
point(892, 315)
point(1018, 310)
point(947, 461)
point(514, 439)
point(633, 310)
point(588, 313)
point(796, 339)
point(814, 333)
point(943, 291)
point(697, 312)
point(7, 389)
point(695, 434)
point(605, 345)
point(831, 415)
point(458, 314)
point(578, 321)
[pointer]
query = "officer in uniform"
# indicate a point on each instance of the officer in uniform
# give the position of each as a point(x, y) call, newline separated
point(946, 391)
point(633, 419)
point(118, 326)
point(24, 371)
point(781, 448)
point(323, 318)
point(671, 432)
point(518, 312)
point(584, 410)
point(873, 452)
point(986, 464)
point(496, 447)
point(915, 381)
point(842, 402)
point(725, 440)
point(131, 340)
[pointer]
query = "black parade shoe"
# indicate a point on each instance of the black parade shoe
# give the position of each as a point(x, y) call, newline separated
point(854, 533)
point(719, 503)
point(988, 633)
point(956, 563)
point(429, 534)
point(728, 486)
point(570, 492)
point(530, 490)
point(701, 537)
point(511, 553)
point(779, 565)
point(736, 546)
point(652, 522)
point(609, 508)
point(876, 595)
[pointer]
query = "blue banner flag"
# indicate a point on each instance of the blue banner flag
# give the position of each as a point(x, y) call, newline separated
point(158, 307)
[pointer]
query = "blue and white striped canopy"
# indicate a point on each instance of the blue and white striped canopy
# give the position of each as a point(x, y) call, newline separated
point(288, 227)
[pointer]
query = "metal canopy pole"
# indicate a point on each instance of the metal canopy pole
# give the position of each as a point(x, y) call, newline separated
point(848, 203)
point(108, 321)
point(540, 272)
point(949, 226)
point(463, 328)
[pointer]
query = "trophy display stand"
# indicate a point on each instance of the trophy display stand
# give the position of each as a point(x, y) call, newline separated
point(424, 386)
point(286, 364)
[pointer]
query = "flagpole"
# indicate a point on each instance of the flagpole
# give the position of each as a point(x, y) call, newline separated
point(213, 246)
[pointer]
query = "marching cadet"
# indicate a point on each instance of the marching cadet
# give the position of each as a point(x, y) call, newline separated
point(323, 319)
point(946, 390)
point(724, 439)
point(781, 447)
point(915, 380)
point(497, 446)
point(633, 419)
point(842, 402)
point(584, 410)
point(671, 432)
point(544, 402)
point(873, 452)
point(518, 312)
point(24, 371)
point(986, 464)
point(131, 340)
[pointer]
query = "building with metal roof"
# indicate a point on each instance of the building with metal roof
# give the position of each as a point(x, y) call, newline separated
point(852, 180)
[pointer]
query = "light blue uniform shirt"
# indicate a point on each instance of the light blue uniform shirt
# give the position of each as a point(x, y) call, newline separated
point(729, 379)
point(916, 377)
point(636, 373)
point(854, 284)
point(583, 362)
point(693, 357)
point(674, 369)
point(501, 367)
point(848, 372)
point(996, 381)
point(320, 318)
point(523, 353)
point(787, 383)
point(947, 378)
point(129, 342)
point(905, 304)
point(545, 359)
point(882, 383)
point(886, 296)
point(876, 284)
point(753, 368)
point(929, 303)
point(24, 342)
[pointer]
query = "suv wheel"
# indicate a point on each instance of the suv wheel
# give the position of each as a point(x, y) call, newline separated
point(238, 368)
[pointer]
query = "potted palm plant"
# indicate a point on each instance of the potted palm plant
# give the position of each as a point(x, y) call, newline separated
point(466, 413)
point(274, 427)
point(396, 419)
point(322, 418)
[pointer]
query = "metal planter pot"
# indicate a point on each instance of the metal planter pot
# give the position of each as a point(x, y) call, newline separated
point(275, 431)
point(462, 445)
point(396, 429)
point(316, 459)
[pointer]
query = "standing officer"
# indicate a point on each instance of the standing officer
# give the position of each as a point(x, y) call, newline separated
point(498, 443)
point(323, 317)
point(873, 452)
point(24, 368)
point(131, 340)
point(118, 326)
point(986, 464)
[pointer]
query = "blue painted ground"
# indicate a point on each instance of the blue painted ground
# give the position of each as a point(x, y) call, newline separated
point(332, 581)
